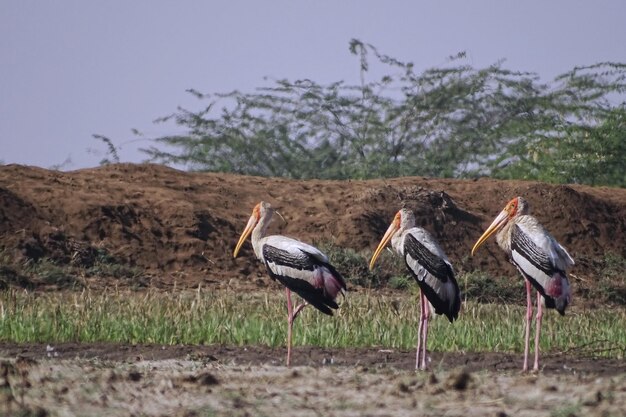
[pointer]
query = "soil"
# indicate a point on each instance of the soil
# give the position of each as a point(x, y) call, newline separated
point(179, 229)
point(137, 380)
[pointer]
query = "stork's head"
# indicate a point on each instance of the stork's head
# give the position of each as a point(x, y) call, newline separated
point(403, 220)
point(515, 207)
point(261, 212)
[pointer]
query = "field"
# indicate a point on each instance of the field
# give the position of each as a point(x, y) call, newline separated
point(119, 296)
point(213, 353)
point(139, 380)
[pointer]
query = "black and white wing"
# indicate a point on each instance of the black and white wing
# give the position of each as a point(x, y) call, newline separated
point(303, 269)
point(432, 271)
point(542, 260)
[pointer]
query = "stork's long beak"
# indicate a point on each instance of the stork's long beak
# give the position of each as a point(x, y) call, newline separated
point(245, 234)
point(393, 228)
point(496, 225)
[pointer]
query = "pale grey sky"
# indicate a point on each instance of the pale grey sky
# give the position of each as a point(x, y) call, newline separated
point(74, 68)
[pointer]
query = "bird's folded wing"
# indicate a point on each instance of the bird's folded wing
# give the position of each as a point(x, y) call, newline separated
point(296, 247)
point(291, 263)
point(536, 246)
point(421, 260)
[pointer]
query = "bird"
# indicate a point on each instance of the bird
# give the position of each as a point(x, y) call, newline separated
point(540, 259)
point(430, 267)
point(298, 266)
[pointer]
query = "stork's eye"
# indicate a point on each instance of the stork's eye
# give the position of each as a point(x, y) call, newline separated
point(512, 207)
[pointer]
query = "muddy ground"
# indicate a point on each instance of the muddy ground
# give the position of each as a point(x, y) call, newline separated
point(131, 380)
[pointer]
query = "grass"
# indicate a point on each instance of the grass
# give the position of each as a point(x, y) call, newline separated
point(479, 286)
point(613, 287)
point(571, 410)
point(389, 271)
point(352, 264)
point(70, 273)
point(47, 272)
point(364, 320)
point(402, 282)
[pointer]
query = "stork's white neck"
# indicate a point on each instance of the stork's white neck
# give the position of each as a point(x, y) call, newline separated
point(258, 233)
point(503, 237)
point(396, 242)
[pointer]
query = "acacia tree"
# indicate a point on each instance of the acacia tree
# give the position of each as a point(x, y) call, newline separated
point(585, 154)
point(454, 121)
point(585, 138)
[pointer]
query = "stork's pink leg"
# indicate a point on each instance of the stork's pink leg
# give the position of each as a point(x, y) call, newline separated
point(425, 329)
point(299, 308)
point(419, 332)
point(289, 324)
point(538, 329)
point(529, 313)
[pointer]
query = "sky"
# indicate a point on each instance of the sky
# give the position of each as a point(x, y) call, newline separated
point(71, 69)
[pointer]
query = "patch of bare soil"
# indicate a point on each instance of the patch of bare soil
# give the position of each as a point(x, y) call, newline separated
point(180, 228)
point(122, 380)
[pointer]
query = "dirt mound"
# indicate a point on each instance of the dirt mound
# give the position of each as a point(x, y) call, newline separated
point(15, 213)
point(181, 227)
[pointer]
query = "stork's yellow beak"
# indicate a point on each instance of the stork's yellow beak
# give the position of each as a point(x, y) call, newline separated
point(496, 225)
point(246, 232)
point(393, 228)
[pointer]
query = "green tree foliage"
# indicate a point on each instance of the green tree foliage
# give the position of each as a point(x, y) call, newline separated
point(454, 121)
point(583, 136)
point(586, 154)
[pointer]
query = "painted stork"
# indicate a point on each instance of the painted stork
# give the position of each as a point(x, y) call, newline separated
point(301, 268)
point(540, 259)
point(430, 267)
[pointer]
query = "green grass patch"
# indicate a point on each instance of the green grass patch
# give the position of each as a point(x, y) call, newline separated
point(352, 265)
point(479, 286)
point(389, 271)
point(612, 286)
point(227, 317)
point(47, 272)
point(571, 410)
point(402, 282)
point(65, 271)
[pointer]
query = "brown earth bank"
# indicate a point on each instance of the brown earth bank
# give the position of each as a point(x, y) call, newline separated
point(180, 228)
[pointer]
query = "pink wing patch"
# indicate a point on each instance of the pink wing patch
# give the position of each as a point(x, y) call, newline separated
point(555, 286)
point(332, 285)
